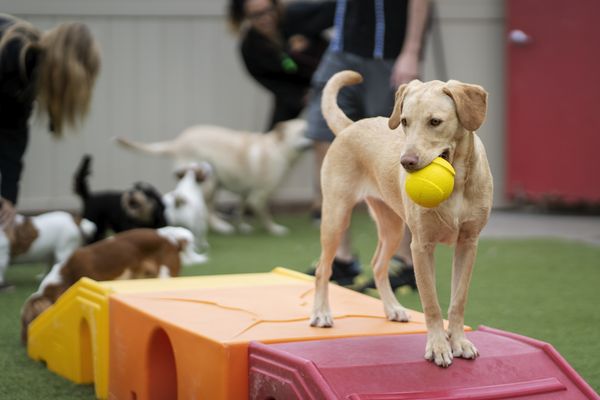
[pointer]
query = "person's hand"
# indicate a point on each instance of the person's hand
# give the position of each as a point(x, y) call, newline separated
point(298, 43)
point(7, 213)
point(405, 69)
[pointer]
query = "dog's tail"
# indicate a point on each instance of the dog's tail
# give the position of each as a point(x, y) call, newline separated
point(80, 184)
point(158, 148)
point(334, 116)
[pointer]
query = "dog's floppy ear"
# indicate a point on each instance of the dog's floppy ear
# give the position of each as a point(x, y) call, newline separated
point(471, 103)
point(395, 118)
point(394, 121)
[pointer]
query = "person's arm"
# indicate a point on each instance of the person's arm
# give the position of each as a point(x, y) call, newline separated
point(406, 67)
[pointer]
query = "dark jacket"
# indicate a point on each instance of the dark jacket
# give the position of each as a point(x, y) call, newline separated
point(285, 73)
point(17, 95)
point(17, 88)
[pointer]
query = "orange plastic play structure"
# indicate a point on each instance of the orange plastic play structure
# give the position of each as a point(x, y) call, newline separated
point(193, 343)
point(72, 336)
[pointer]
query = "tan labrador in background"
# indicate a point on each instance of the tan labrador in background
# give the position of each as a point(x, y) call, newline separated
point(369, 160)
point(250, 164)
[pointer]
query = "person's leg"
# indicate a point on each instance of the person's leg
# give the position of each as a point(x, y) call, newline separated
point(13, 144)
point(345, 266)
point(402, 272)
point(379, 101)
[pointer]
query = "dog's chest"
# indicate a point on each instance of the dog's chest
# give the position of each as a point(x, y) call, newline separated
point(444, 223)
point(442, 226)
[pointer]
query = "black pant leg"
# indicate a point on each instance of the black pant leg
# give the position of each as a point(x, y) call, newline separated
point(13, 144)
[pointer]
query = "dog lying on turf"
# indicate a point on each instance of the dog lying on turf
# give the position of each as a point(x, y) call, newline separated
point(138, 207)
point(370, 159)
point(250, 164)
point(133, 254)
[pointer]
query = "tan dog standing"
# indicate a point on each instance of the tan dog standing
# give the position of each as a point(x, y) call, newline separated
point(369, 160)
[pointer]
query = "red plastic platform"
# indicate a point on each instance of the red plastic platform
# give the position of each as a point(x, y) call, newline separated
point(392, 367)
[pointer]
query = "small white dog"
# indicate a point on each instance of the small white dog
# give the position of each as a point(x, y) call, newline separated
point(185, 205)
point(50, 237)
point(250, 164)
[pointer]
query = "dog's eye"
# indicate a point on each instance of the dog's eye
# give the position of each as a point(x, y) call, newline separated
point(403, 121)
point(435, 121)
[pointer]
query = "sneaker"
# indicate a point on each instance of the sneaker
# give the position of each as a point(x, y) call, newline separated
point(6, 287)
point(343, 272)
point(400, 273)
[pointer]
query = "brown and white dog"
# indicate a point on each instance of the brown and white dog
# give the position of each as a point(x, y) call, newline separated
point(50, 237)
point(133, 254)
point(370, 159)
point(250, 164)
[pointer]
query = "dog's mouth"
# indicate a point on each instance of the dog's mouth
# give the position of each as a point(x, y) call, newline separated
point(445, 155)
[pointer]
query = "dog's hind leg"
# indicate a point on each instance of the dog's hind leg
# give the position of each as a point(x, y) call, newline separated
point(390, 229)
point(335, 220)
point(258, 202)
point(240, 214)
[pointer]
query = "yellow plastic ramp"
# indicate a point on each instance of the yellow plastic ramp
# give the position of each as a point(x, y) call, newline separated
point(72, 336)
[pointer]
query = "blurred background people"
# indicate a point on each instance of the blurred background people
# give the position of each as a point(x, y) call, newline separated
point(281, 46)
point(56, 68)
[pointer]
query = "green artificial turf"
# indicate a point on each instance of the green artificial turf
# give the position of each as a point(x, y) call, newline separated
point(546, 289)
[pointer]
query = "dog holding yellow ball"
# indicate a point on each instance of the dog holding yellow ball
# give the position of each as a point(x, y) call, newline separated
point(431, 185)
point(424, 166)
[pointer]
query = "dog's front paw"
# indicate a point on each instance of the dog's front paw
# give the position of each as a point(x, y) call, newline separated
point(439, 351)
point(278, 230)
point(462, 347)
point(397, 313)
point(321, 319)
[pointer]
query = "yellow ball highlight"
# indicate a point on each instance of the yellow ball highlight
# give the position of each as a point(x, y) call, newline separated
point(431, 185)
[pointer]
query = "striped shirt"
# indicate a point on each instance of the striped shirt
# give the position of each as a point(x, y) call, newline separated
point(370, 28)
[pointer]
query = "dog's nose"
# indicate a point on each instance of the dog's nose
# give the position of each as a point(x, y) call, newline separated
point(409, 162)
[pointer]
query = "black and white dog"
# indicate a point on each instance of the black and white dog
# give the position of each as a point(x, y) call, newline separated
point(138, 207)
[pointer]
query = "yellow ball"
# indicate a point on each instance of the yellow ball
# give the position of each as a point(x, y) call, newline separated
point(431, 185)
